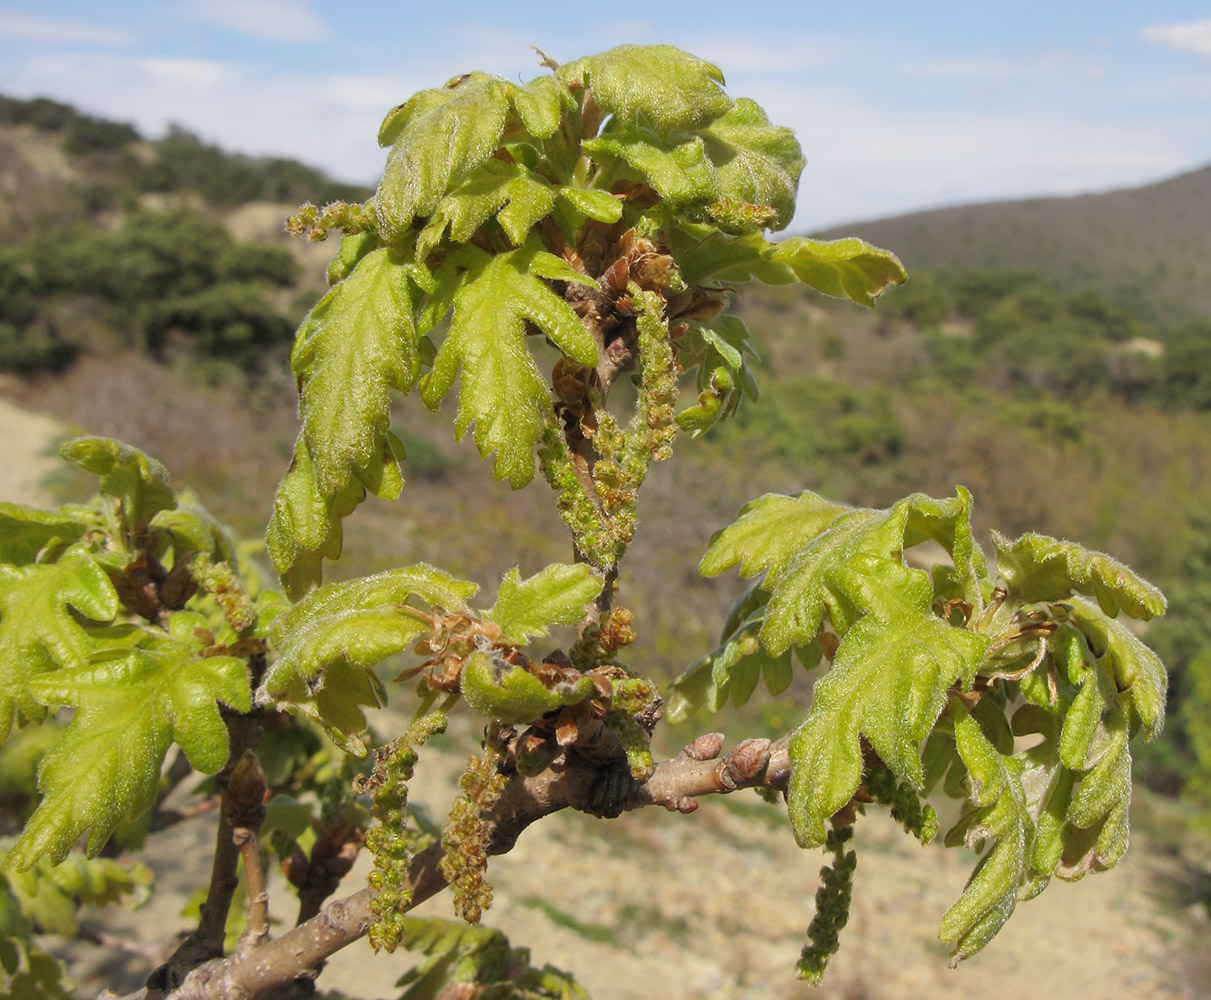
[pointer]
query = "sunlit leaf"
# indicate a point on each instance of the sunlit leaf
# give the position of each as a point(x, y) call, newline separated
point(137, 480)
point(502, 391)
point(557, 595)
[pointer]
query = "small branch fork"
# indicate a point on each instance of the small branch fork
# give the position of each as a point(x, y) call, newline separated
point(571, 782)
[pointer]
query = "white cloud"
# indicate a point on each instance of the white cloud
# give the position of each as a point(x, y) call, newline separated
point(46, 29)
point(1191, 36)
point(277, 20)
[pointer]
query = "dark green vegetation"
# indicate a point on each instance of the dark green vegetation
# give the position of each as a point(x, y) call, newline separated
point(1146, 249)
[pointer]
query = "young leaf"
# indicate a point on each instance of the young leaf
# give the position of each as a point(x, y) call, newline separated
point(845, 269)
point(513, 695)
point(540, 105)
point(439, 137)
point(140, 482)
point(502, 391)
point(357, 623)
point(510, 189)
point(821, 557)
point(131, 704)
point(305, 527)
point(1040, 568)
point(557, 595)
point(730, 670)
point(680, 173)
point(39, 627)
point(888, 683)
point(50, 895)
point(996, 790)
point(1139, 676)
point(654, 85)
point(755, 162)
point(25, 531)
point(358, 343)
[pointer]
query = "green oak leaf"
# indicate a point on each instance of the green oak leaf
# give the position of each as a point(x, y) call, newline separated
point(731, 670)
point(39, 627)
point(193, 528)
point(1137, 673)
point(755, 162)
point(679, 172)
point(357, 344)
point(305, 527)
point(846, 269)
point(1040, 568)
point(1001, 813)
point(137, 480)
point(131, 704)
point(556, 595)
point(598, 205)
point(27, 972)
point(657, 86)
point(513, 695)
point(502, 391)
point(706, 256)
point(510, 191)
point(540, 104)
point(341, 630)
point(26, 531)
point(438, 138)
point(50, 895)
point(888, 683)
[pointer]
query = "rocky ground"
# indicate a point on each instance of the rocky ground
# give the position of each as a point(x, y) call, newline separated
point(714, 905)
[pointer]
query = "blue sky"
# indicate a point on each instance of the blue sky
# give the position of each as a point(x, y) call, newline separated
point(898, 106)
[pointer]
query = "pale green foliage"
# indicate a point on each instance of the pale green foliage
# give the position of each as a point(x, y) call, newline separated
point(513, 695)
point(131, 705)
point(69, 639)
point(558, 595)
point(502, 391)
point(907, 643)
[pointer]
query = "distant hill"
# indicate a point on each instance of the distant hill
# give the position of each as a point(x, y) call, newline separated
point(1147, 249)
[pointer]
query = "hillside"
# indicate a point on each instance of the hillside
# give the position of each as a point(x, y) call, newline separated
point(1147, 249)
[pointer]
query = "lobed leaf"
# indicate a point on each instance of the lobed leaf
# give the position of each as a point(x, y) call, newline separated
point(357, 344)
point(509, 191)
point(137, 480)
point(846, 269)
point(888, 683)
point(679, 172)
point(755, 162)
point(357, 623)
point(131, 705)
point(996, 789)
point(502, 391)
point(1041, 568)
point(40, 630)
point(540, 104)
point(26, 531)
point(655, 86)
point(50, 895)
point(438, 137)
point(557, 595)
point(305, 527)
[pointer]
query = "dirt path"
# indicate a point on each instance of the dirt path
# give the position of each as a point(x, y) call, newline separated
point(27, 453)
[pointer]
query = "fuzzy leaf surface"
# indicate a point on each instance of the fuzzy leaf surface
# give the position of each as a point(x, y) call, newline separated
point(820, 557)
point(846, 269)
point(357, 622)
point(680, 172)
point(305, 527)
point(1040, 568)
point(438, 138)
point(556, 595)
point(139, 481)
point(39, 631)
point(131, 705)
point(509, 191)
point(658, 86)
point(755, 161)
point(996, 790)
point(888, 683)
point(358, 343)
point(502, 391)
point(25, 531)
